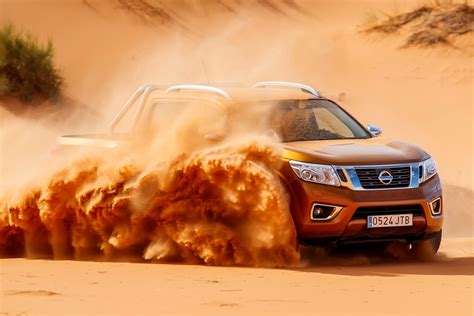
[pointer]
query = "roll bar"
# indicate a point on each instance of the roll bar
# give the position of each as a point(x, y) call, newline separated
point(198, 87)
point(141, 93)
point(303, 87)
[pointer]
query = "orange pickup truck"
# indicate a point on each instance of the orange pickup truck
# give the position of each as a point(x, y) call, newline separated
point(347, 184)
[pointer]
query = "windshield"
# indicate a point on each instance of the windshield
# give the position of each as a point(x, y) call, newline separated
point(305, 120)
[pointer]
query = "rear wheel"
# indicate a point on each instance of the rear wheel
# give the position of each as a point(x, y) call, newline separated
point(426, 249)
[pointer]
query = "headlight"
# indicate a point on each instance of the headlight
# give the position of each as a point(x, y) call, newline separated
point(315, 173)
point(428, 169)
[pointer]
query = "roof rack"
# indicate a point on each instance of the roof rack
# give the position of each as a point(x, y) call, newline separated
point(303, 87)
point(198, 87)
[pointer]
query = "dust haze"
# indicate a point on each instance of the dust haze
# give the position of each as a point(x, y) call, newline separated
point(174, 197)
point(169, 195)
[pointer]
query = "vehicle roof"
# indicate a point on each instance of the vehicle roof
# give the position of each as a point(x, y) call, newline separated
point(270, 93)
point(245, 94)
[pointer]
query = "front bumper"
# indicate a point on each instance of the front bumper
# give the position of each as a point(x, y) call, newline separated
point(344, 227)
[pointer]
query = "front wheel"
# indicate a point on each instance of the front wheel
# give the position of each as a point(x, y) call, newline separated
point(426, 249)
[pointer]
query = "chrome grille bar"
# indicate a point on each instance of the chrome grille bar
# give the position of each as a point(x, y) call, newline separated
point(366, 177)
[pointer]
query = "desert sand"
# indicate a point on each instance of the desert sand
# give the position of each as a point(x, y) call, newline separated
point(351, 285)
point(420, 95)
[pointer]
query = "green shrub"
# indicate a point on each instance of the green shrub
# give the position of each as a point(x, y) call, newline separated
point(26, 67)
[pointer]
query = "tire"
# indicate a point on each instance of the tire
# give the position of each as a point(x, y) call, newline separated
point(425, 250)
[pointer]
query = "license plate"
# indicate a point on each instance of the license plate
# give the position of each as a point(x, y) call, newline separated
point(374, 221)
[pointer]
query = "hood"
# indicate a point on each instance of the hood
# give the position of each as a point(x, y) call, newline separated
point(372, 151)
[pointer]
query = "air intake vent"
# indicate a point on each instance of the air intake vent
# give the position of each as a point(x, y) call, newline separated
point(363, 212)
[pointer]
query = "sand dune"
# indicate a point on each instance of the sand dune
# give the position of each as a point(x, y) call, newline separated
point(105, 51)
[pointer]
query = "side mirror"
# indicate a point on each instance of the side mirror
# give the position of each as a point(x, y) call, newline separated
point(374, 130)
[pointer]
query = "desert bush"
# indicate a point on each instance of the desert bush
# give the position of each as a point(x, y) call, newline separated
point(429, 25)
point(26, 67)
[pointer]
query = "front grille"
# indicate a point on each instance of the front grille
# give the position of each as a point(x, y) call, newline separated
point(363, 212)
point(369, 177)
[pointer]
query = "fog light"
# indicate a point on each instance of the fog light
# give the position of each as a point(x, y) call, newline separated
point(435, 207)
point(322, 212)
point(317, 211)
